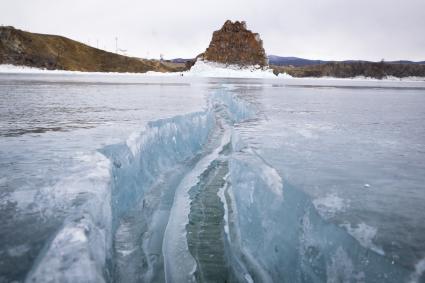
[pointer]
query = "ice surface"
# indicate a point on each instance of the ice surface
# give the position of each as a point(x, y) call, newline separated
point(305, 248)
point(80, 249)
point(105, 196)
point(331, 141)
point(310, 249)
point(53, 177)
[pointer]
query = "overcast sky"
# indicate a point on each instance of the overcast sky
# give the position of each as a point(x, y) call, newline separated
point(316, 29)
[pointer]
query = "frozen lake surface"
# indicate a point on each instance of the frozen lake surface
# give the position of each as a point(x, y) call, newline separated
point(134, 178)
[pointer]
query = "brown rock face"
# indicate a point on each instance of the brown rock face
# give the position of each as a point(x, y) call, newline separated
point(234, 44)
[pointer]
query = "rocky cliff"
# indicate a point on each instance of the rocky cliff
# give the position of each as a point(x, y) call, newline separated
point(235, 44)
point(19, 47)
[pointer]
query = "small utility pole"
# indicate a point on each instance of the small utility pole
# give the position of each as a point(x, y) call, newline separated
point(116, 45)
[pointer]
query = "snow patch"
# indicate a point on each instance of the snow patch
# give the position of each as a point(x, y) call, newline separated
point(14, 69)
point(419, 272)
point(77, 254)
point(221, 195)
point(365, 235)
point(329, 205)
point(18, 251)
point(363, 78)
point(218, 70)
point(11, 69)
point(341, 269)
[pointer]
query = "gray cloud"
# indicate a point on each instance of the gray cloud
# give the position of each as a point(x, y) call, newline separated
point(323, 29)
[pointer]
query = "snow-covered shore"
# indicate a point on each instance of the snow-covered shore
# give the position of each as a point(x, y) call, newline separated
point(202, 69)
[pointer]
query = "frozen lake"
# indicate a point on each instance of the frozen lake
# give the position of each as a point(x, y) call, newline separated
point(134, 178)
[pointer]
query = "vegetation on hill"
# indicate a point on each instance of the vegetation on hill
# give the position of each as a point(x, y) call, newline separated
point(354, 69)
point(19, 47)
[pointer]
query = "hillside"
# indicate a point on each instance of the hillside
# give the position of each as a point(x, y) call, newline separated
point(354, 69)
point(19, 47)
point(299, 67)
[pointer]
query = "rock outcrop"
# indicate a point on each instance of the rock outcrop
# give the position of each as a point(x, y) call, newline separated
point(235, 44)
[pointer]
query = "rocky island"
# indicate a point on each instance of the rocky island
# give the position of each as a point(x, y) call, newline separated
point(235, 44)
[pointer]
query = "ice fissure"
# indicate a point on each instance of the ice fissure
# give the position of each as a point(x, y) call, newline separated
point(187, 200)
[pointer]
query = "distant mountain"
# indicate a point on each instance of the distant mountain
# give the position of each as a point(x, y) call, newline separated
point(293, 61)
point(19, 47)
point(300, 62)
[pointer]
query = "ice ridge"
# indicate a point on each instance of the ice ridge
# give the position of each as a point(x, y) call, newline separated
point(135, 225)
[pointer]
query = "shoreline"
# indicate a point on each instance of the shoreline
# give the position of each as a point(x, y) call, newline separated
point(212, 71)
